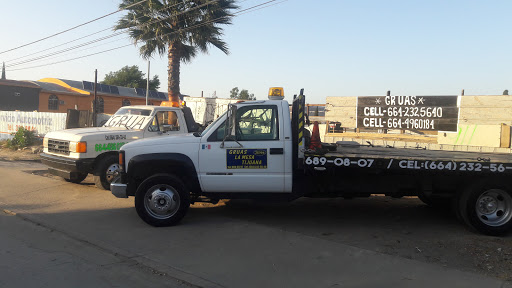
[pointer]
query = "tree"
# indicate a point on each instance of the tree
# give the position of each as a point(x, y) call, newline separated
point(182, 28)
point(242, 95)
point(131, 76)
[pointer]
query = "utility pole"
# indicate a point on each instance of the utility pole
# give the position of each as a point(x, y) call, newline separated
point(147, 87)
point(95, 98)
point(3, 71)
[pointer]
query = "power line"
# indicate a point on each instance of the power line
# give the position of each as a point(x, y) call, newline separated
point(65, 50)
point(97, 32)
point(244, 11)
point(238, 14)
point(105, 37)
point(80, 50)
point(163, 7)
point(43, 65)
point(72, 28)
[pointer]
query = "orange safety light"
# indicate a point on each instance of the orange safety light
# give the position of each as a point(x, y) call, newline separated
point(170, 104)
point(276, 93)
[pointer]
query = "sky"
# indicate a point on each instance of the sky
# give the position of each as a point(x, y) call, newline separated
point(327, 47)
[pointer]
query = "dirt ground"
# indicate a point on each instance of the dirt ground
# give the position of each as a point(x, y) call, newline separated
point(402, 227)
point(27, 154)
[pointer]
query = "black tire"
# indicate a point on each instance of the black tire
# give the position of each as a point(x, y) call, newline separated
point(79, 177)
point(438, 203)
point(106, 171)
point(162, 200)
point(486, 207)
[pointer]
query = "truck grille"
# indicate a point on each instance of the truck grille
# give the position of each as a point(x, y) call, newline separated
point(58, 146)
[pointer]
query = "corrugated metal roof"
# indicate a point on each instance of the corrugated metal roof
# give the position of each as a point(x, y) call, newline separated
point(54, 87)
point(73, 83)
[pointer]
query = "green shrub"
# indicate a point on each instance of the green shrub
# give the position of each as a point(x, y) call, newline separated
point(22, 138)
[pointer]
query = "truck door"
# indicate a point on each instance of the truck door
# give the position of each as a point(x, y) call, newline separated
point(255, 163)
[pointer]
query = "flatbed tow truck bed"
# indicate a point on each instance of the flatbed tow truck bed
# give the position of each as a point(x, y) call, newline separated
point(388, 158)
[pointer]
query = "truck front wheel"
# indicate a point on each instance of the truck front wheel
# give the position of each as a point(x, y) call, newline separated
point(79, 177)
point(106, 170)
point(487, 207)
point(162, 200)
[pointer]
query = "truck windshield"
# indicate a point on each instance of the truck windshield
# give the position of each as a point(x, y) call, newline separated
point(133, 111)
point(205, 131)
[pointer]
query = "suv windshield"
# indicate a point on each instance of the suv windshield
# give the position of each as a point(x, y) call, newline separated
point(130, 118)
point(133, 111)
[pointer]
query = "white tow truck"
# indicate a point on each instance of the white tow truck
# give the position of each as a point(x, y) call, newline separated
point(74, 153)
point(257, 151)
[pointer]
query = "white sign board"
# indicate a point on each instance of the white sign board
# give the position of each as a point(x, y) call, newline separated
point(39, 122)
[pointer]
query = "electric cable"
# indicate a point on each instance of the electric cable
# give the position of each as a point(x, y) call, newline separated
point(72, 28)
point(105, 37)
point(244, 11)
point(97, 32)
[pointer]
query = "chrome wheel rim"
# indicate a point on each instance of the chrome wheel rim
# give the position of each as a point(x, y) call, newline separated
point(494, 207)
point(112, 172)
point(162, 201)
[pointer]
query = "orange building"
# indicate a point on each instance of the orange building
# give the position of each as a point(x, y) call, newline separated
point(59, 95)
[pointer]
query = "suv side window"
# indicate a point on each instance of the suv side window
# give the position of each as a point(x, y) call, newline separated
point(165, 121)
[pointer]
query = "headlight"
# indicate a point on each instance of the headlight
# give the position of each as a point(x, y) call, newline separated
point(78, 147)
point(45, 142)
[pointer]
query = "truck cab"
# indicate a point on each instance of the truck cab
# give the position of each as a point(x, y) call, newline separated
point(74, 153)
point(249, 147)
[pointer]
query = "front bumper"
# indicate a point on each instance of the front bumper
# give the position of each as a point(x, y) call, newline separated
point(119, 190)
point(66, 167)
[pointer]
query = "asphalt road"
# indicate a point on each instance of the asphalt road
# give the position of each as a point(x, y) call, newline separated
point(57, 234)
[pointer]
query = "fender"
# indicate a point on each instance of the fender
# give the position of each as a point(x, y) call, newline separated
point(143, 166)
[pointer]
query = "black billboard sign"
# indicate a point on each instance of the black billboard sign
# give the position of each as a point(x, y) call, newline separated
point(437, 113)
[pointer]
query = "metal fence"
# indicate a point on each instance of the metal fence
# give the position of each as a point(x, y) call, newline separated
point(39, 122)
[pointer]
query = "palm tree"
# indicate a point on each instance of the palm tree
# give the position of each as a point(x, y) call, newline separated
point(182, 28)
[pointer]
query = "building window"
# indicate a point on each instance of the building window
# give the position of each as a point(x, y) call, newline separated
point(126, 102)
point(53, 102)
point(99, 105)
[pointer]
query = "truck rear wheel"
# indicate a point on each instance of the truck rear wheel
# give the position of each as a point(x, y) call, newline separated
point(436, 202)
point(162, 200)
point(487, 207)
point(77, 178)
point(107, 169)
